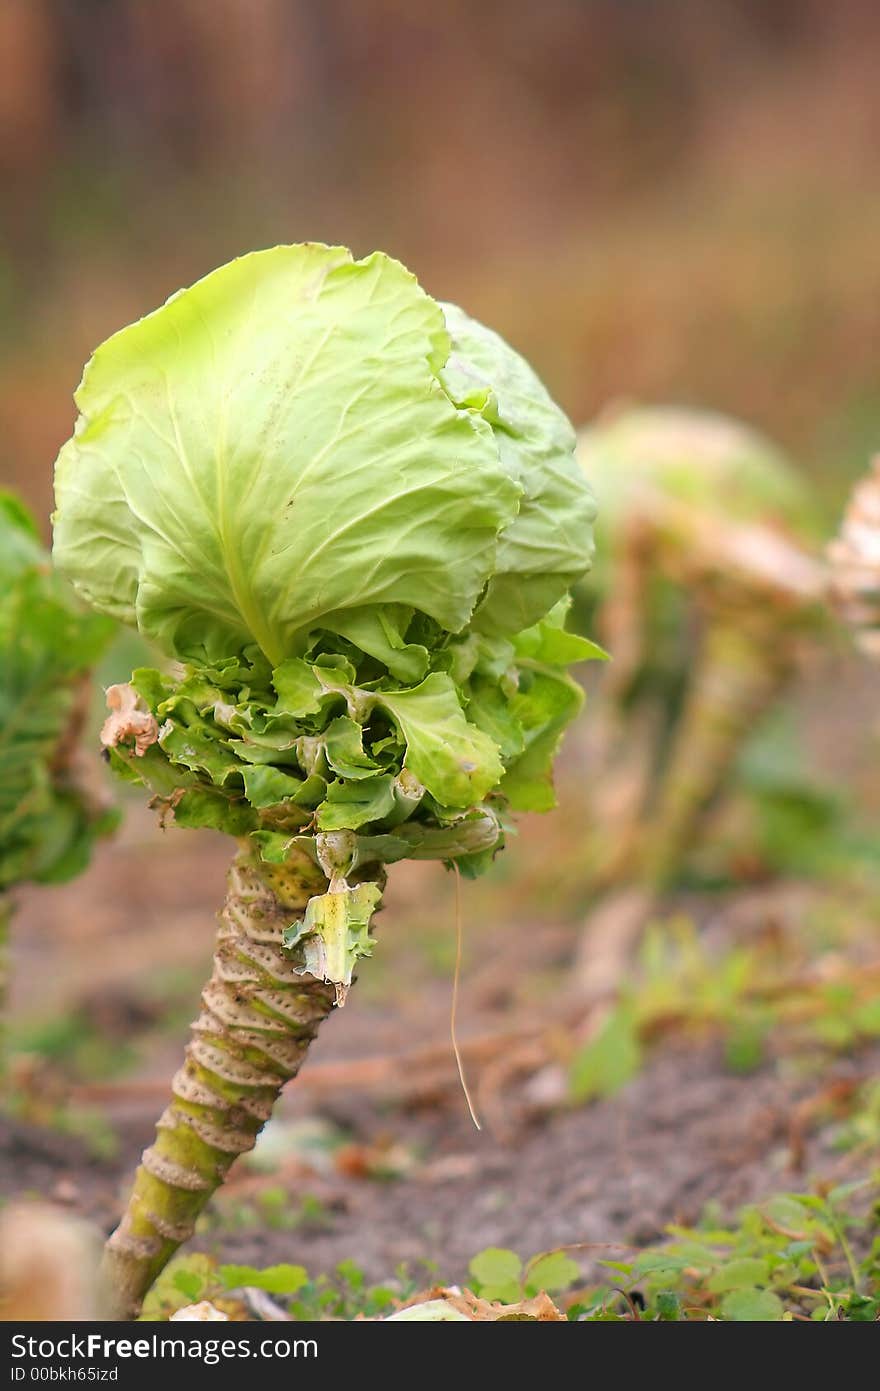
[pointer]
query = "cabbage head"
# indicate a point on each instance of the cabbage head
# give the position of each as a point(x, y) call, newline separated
point(350, 517)
point(641, 459)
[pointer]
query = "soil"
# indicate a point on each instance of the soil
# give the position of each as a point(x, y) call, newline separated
point(684, 1133)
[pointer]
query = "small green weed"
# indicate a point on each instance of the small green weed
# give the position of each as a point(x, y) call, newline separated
point(761, 1001)
point(796, 1257)
point(343, 1295)
point(792, 1258)
point(270, 1207)
point(499, 1275)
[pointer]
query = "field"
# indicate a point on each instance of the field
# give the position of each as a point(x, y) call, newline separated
point(675, 1076)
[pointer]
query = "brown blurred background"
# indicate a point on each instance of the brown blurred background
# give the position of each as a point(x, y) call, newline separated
point(664, 199)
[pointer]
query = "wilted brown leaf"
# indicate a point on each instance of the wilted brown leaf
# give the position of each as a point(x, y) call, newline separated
point(464, 1302)
point(129, 720)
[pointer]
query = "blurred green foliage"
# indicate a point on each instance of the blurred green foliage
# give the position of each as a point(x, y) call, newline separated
point(49, 817)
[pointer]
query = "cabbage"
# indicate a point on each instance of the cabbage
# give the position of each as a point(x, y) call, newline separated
point(643, 460)
point(300, 440)
point(352, 515)
point(47, 645)
point(707, 584)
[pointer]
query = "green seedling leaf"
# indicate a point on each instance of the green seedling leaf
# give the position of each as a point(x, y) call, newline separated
point(551, 1273)
point(351, 1273)
point(793, 1217)
point(498, 1273)
point(752, 1306)
point(274, 1279)
point(740, 1274)
point(668, 1306)
point(189, 1282)
point(861, 1308)
point(610, 1060)
point(652, 1262)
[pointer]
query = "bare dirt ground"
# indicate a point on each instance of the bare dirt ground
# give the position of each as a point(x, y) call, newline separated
point(685, 1132)
point(682, 1134)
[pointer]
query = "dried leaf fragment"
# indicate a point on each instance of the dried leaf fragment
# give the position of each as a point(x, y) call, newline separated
point(129, 719)
point(204, 1312)
point(454, 1303)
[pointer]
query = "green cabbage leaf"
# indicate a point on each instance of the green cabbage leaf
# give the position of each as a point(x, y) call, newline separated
point(273, 450)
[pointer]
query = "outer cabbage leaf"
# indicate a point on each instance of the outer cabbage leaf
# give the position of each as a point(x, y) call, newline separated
point(549, 543)
point(547, 703)
point(350, 805)
point(267, 787)
point(550, 642)
point(206, 807)
point(273, 448)
point(457, 762)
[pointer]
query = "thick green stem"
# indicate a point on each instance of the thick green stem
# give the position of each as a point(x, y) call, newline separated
point(746, 660)
point(257, 1020)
